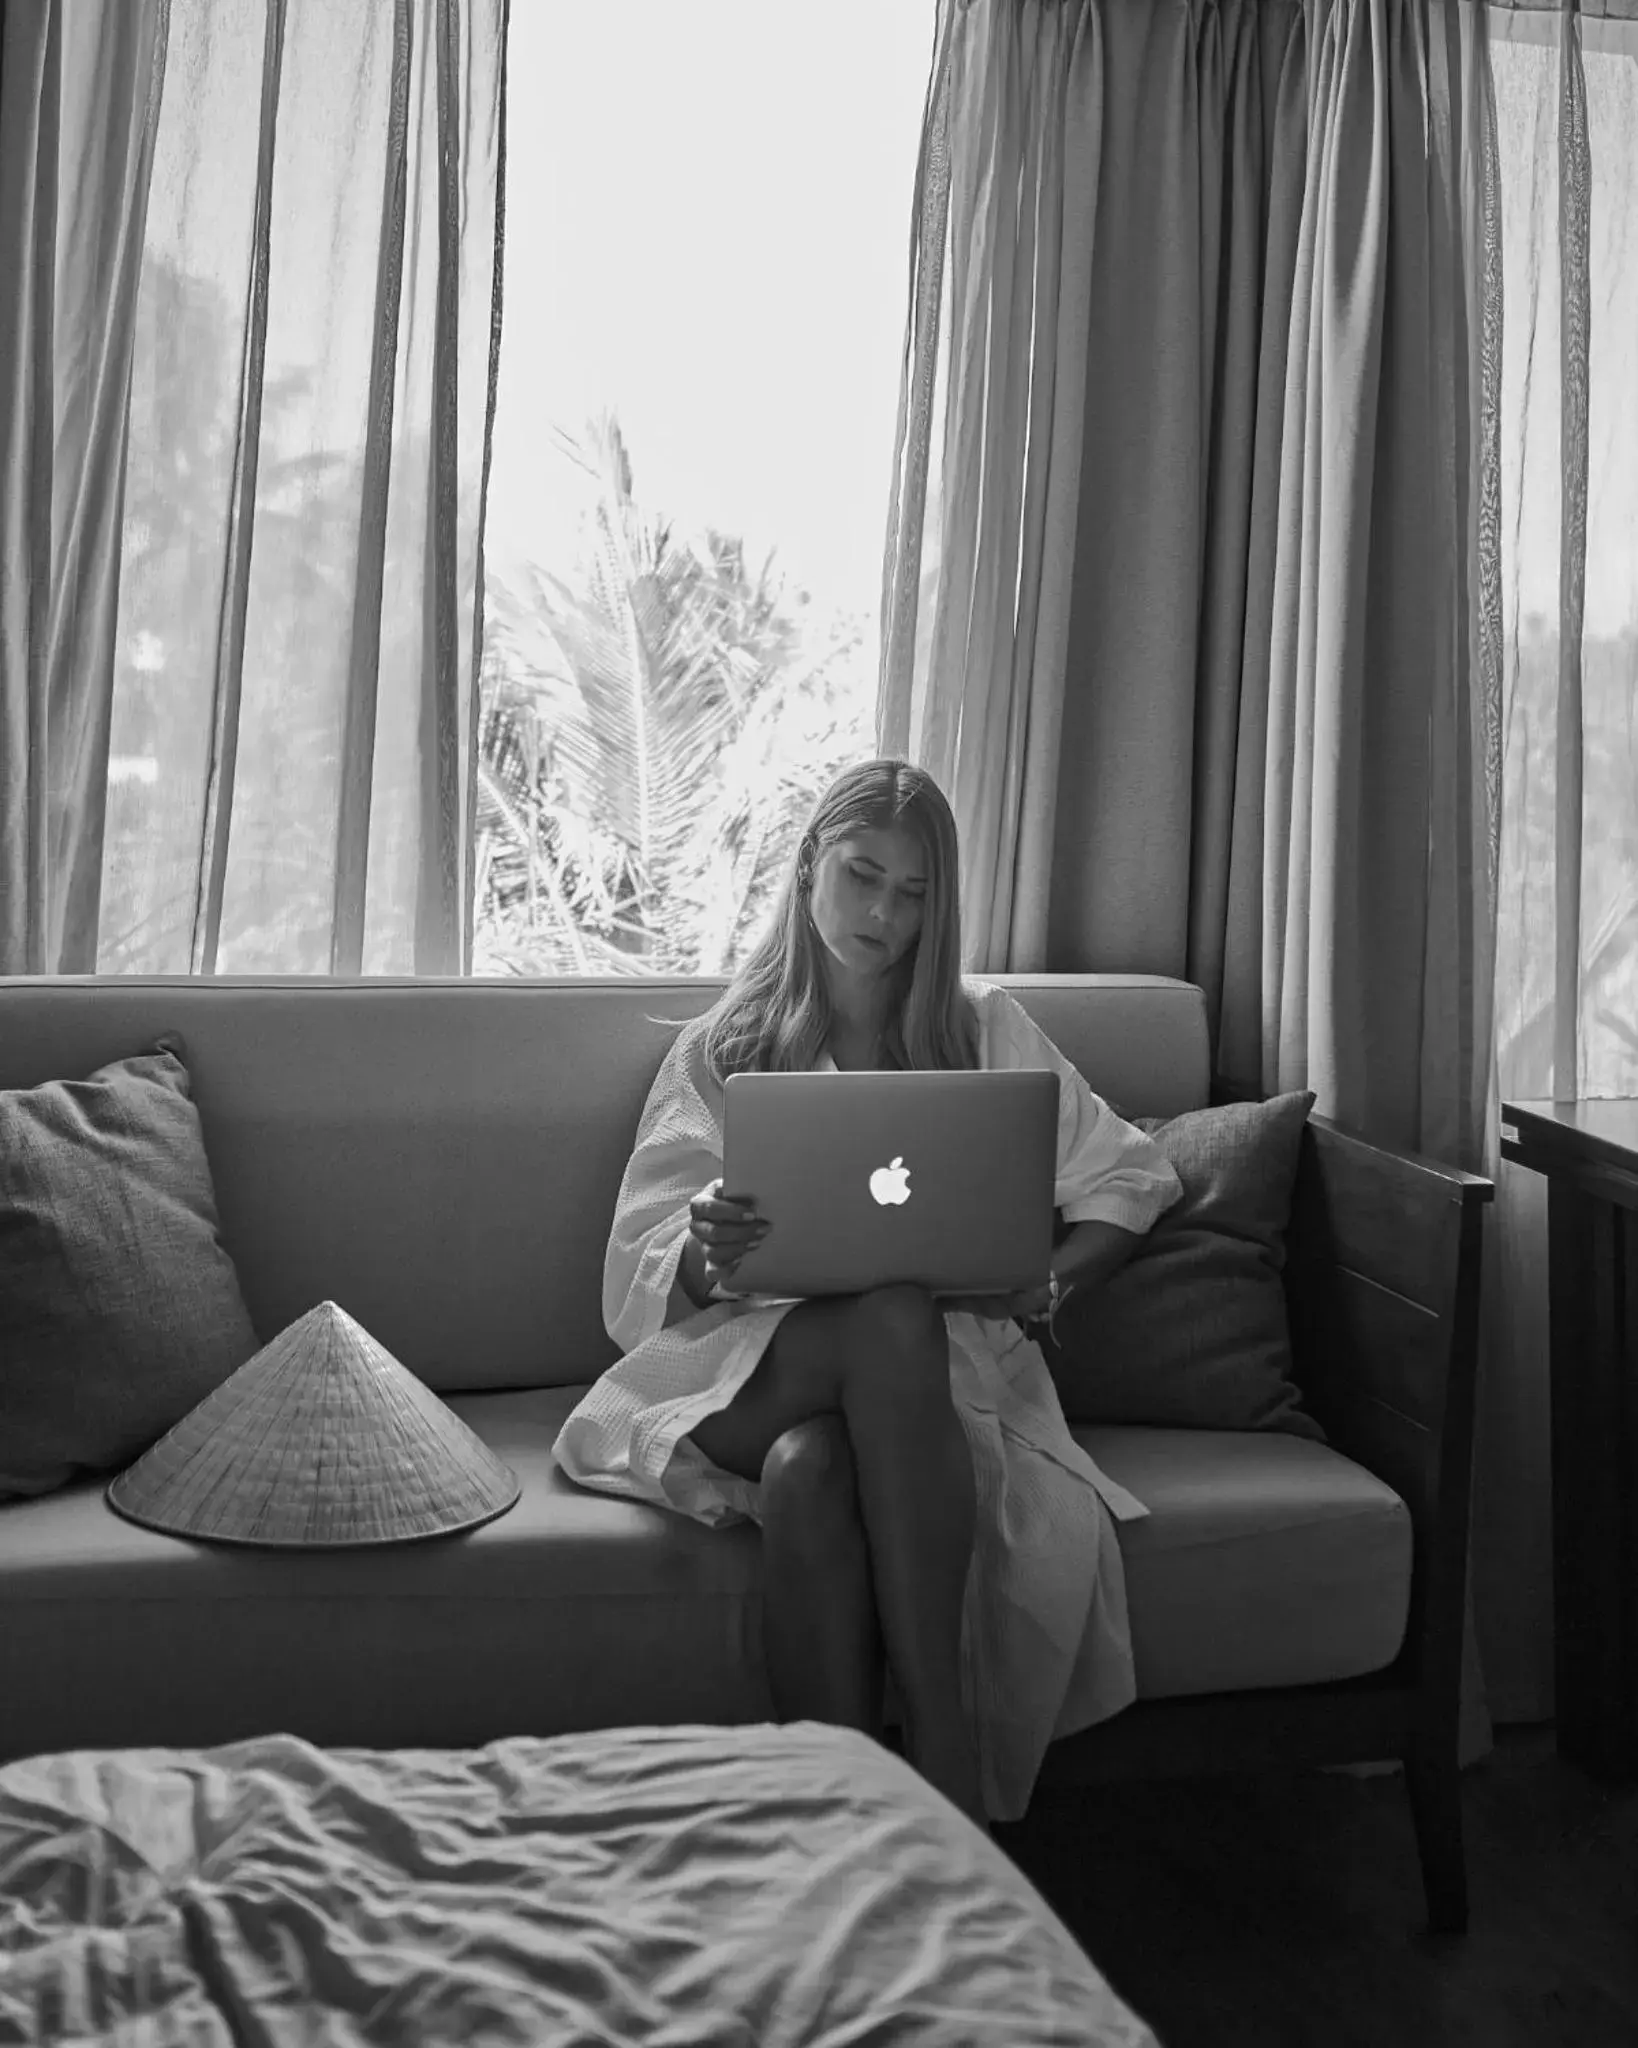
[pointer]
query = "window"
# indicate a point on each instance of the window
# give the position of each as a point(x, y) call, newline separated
point(707, 236)
point(706, 273)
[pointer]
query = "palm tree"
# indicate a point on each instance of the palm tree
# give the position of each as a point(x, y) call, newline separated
point(652, 735)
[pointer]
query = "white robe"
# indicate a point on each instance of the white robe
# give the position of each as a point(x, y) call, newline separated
point(1046, 1648)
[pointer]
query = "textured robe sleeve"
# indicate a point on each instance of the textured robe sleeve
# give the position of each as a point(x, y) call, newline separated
point(678, 1151)
point(1108, 1170)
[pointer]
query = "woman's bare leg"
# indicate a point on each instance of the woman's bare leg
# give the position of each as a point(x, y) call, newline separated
point(820, 1638)
point(881, 1360)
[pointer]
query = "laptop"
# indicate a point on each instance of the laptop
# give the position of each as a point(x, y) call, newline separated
point(871, 1178)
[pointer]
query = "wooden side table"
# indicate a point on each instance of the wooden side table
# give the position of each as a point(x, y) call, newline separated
point(1589, 1154)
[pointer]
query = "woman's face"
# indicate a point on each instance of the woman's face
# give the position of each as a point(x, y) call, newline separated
point(869, 891)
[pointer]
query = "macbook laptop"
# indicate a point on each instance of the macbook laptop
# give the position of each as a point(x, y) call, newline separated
point(867, 1179)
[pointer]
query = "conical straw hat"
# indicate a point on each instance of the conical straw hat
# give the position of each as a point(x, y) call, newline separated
point(322, 1440)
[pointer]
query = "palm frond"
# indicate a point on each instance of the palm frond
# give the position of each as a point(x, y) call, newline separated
point(659, 722)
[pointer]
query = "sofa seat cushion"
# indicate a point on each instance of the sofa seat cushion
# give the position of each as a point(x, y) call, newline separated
point(1265, 1559)
point(573, 1610)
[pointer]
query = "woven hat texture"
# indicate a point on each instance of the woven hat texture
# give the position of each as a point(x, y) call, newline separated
point(322, 1440)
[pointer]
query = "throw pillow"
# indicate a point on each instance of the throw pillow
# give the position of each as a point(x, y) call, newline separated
point(1192, 1332)
point(119, 1305)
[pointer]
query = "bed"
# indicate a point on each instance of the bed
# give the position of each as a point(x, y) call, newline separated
point(752, 1887)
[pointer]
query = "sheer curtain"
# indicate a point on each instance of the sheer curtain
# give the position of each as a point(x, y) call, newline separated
point(79, 102)
point(284, 719)
point(1566, 93)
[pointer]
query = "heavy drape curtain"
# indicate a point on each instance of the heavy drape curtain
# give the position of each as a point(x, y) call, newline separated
point(1193, 583)
point(243, 428)
point(976, 585)
point(1188, 596)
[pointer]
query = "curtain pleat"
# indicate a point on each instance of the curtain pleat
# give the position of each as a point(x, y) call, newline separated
point(1483, 232)
point(1021, 900)
point(1328, 750)
point(898, 704)
point(995, 627)
point(1464, 843)
point(478, 174)
point(1238, 1003)
point(1249, 254)
point(1122, 851)
point(1455, 1009)
point(438, 936)
point(979, 105)
point(1575, 294)
point(228, 695)
point(358, 736)
point(1002, 800)
point(30, 79)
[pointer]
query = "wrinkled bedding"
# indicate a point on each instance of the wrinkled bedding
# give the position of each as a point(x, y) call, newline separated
point(750, 1887)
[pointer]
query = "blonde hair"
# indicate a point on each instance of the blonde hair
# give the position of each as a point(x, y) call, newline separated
point(775, 1015)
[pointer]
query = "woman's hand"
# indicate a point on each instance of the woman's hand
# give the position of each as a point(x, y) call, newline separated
point(725, 1228)
point(998, 1308)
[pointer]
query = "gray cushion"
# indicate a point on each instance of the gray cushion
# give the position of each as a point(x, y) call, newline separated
point(1264, 1559)
point(119, 1305)
point(1192, 1333)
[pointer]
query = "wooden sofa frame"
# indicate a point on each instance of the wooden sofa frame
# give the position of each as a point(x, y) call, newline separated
point(1382, 1284)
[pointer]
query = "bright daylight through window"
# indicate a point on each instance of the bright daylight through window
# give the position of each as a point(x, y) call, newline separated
point(707, 233)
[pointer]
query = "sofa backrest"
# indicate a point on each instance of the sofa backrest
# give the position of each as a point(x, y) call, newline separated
point(442, 1157)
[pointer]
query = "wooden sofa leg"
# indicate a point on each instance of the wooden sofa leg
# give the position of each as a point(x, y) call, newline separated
point(1435, 1788)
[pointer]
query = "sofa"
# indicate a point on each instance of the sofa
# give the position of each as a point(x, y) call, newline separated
point(441, 1158)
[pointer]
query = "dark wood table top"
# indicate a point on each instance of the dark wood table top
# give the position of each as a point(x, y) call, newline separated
point(1571, 1134)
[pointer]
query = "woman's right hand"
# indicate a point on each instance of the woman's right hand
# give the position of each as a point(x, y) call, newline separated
point(725, 1227)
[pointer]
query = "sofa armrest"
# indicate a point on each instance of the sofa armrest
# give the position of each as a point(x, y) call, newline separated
point(1382, 1285)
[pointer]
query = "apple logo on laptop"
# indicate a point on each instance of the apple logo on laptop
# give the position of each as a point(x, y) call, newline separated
point(891, 1184)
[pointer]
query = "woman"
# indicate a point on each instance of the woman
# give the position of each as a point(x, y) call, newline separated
point(916, 1485)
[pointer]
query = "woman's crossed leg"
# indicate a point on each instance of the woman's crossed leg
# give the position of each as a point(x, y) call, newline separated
point(878, 1363)
point(821, 1640)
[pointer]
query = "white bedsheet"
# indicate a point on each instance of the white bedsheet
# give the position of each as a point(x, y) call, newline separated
point(753, 1887)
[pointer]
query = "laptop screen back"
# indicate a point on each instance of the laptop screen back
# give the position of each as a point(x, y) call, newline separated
point(869, 1179)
